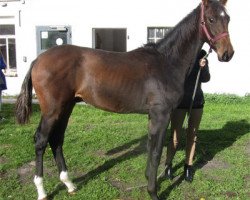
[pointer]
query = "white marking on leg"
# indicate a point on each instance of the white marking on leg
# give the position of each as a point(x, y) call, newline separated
point(65, 179)
point(39, 186)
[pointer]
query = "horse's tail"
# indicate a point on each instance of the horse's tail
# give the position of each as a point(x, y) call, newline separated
point(23, 108)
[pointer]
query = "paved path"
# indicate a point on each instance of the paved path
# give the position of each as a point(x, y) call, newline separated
point(12, 100)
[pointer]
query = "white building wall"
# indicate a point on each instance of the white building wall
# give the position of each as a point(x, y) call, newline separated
point(135, 16)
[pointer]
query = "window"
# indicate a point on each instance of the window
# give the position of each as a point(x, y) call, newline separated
point(52, 38)
point(8, 47)
point(48, 37)
point(157, 33)
point(7, 29)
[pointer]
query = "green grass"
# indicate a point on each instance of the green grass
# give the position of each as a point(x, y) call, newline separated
point(106, 154)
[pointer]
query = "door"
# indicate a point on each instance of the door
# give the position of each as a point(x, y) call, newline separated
point(110, 39)
point(50, 36)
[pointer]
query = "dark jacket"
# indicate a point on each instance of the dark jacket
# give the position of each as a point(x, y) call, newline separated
point(3, 85)
point(190, 84)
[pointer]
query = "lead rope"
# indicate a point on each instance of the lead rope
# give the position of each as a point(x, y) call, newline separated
point(185, 123)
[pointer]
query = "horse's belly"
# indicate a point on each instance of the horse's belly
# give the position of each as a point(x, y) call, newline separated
point(118, 102)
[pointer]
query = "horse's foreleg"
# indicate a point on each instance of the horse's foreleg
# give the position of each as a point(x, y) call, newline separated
point(158, 122)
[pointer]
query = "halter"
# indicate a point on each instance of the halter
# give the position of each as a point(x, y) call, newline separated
point(211, 39)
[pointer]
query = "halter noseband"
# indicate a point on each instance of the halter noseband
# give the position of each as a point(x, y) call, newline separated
point(211, 39)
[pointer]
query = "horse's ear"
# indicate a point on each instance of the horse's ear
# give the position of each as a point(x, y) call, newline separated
point(223, 2)
point(205, 2)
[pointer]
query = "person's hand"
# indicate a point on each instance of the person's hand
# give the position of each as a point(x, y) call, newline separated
point(202, 62)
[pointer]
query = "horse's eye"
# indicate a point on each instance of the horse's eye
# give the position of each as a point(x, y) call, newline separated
point(211, 20)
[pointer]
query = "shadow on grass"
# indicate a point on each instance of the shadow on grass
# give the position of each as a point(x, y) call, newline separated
point(213, 141)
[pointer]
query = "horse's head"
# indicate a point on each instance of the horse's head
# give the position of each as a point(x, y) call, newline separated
point(214, 28)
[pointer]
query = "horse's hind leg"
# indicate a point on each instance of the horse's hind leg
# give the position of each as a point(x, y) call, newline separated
point(51, 129)
point(56, 142)
point(41, 139)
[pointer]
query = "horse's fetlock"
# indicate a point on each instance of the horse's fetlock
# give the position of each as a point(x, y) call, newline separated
point(151, 190)
point(38, 180)
point(39, 186)
point(64, 177)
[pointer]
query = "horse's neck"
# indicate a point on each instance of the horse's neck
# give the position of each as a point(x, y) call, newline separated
point(182, 45)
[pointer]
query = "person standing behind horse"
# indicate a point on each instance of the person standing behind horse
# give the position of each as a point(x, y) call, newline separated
point(178, 116)
point(3, 85)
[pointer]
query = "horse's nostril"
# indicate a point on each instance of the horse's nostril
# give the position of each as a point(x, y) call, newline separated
point(225, 56)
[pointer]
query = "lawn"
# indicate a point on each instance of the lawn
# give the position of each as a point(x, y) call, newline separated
point(106, 155)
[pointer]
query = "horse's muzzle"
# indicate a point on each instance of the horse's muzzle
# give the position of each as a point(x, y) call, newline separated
point(227, 56)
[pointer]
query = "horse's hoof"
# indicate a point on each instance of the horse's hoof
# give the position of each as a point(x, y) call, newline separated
point(45, 198)
point(72, 192)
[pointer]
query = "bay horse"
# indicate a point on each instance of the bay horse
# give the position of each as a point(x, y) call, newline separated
point(148, 80)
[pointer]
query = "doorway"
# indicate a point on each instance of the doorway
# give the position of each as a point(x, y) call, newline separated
point(110, 39)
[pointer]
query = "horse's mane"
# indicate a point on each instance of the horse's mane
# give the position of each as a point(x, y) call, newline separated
point(171, 44)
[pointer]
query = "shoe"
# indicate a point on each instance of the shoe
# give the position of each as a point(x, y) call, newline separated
point(169, 172)
point(188, 173)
